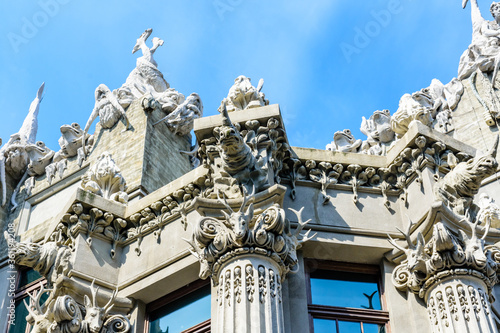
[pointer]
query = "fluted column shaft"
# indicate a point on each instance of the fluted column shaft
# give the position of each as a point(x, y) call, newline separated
point(248, 296)
point(460, 305)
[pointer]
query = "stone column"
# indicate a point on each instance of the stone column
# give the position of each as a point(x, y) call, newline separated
point(247, 258)
point(460, 305)
point(454, 275)
point(249, 296)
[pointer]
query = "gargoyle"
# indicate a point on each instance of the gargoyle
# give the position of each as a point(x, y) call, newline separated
point(459, 186)
point(107, 108)
point(49, 259)
point(239, 166)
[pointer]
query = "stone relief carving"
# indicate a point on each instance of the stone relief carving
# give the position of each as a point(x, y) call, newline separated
point(379, 132)
point(344, 142)
point(105, 179)
point(426, 263)
point(242, 95)
point(61, 313)
point(269, 234)
point(443, 122)
point(459, 186)
point(180, 121)
point(107, 108)
point(249, 156)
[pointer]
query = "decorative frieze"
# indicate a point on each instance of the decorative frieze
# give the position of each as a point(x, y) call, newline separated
point(395, 177)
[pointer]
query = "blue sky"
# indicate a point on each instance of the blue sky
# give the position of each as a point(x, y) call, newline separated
point(298, 48)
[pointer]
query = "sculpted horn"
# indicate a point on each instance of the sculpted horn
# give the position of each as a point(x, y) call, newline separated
point(225, 116)
point(493, 150)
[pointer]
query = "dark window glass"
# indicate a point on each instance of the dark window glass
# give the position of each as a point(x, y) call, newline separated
point(343, 289)
point(183, 313)
point(28, 276)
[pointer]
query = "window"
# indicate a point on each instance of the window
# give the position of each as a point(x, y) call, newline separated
point(29, 281)
point(186, 310)
point(345, 298)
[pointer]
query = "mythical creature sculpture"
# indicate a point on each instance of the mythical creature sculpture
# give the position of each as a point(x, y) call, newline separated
point(239, 166)
point(49, 259)
point(379, 132)
point(13, 156)
point(180, 121)
point(459, 186)
point(107, 108)
point(344, 142)
point(484, 50)
point(242, 95)
point(105, 179)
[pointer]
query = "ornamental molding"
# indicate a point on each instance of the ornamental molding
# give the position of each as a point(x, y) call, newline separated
point(386, 175)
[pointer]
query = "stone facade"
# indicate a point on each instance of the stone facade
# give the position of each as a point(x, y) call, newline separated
point(118, 220)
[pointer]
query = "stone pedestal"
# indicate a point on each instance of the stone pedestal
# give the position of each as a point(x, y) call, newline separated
point(249, 296)
point(460, 305)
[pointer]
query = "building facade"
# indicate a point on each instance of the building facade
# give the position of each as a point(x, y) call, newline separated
point(131, 229)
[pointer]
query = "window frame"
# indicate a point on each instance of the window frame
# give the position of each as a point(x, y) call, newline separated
point(369, 316)
point(203, 327)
